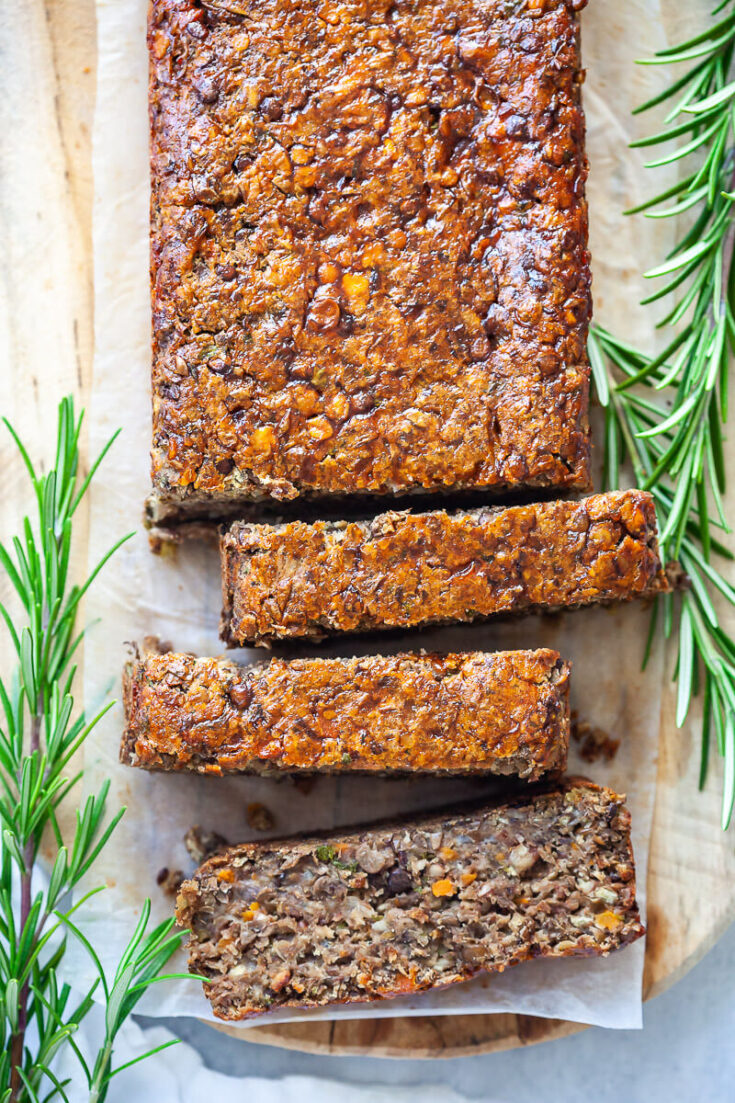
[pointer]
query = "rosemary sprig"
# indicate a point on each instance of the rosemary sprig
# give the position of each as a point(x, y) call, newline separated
point(665, 414)
point(693, 367)
point(706, 654)
point(39, 737)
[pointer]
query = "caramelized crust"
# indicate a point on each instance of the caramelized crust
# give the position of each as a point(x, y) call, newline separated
point(505, 713)
point(388, 911)
point(403, 570)
point(369, 248)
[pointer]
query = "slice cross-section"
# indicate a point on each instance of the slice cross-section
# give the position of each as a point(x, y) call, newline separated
point(387, 911)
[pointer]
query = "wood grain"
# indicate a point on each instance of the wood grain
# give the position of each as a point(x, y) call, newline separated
point(47, 84)
point(46, 304)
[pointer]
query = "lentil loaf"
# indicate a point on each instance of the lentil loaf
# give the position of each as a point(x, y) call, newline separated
point(369, 254)
point(403, 570)
point(505, 713)
point(398, 909)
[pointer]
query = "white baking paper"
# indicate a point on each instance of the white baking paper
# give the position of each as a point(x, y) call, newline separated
point(178, 599)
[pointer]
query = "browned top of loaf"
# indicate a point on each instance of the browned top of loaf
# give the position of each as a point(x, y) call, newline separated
point(369, 247)
point(401, 570)
point(505, 713)
point(390, 910)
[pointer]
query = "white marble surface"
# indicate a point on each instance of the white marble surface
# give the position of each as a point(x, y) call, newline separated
point(684, 1052)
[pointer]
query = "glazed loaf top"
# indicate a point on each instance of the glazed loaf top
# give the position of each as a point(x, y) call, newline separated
point(403, 570)
point(501, 713)
point(390, 910)
point(369, 248)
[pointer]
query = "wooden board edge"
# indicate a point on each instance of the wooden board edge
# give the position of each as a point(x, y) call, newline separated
point(431, 1035)
point(658, 987)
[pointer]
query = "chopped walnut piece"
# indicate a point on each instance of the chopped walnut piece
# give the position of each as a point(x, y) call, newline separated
point(200, 844)
point(594, 743)
point(170, 880)
point(259, 817)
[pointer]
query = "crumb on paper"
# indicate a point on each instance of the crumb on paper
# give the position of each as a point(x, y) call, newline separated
point(153, 646)
point(676, 576)
point(259, 817)
point(304, 784)
point(594, 743)
point(200, 844)
point(160, 543)
point(170, 880)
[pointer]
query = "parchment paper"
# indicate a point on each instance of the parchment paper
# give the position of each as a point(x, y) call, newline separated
point(179, 599)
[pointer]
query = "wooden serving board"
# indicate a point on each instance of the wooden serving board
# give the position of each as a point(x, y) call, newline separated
point(46, 108)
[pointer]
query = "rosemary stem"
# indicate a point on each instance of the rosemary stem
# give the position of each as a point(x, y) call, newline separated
point(728, 249)
point(98, 1087)
point(26, 885)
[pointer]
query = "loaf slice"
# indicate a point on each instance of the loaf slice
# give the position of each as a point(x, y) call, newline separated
point(386, 911)
point(504, 713)
point(369, 259)
point(404, 570)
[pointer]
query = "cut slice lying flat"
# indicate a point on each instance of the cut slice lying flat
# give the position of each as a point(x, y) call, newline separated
point(397, 909)
point(505, 713)
point(405, 570)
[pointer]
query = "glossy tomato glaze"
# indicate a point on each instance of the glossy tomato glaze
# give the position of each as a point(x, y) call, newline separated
point(406, 570)
point(369, 248)
point(505, 713)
